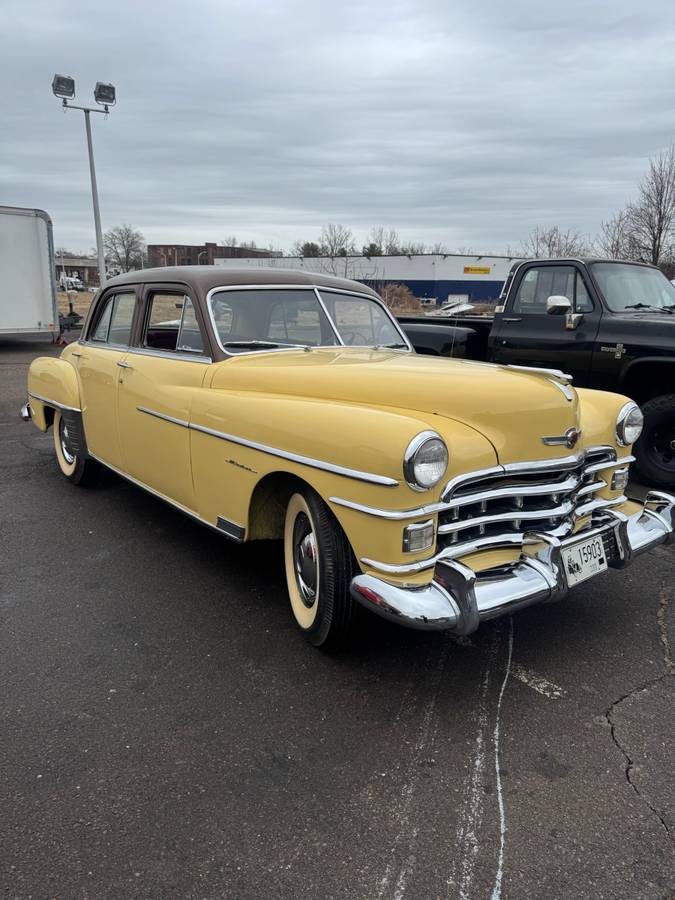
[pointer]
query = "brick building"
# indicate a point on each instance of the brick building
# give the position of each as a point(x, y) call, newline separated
point(198, 254)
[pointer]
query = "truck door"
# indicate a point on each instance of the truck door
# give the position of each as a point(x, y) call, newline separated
point(525, 334)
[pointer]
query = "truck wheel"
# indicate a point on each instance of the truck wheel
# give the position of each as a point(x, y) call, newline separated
point(319, 569)
point(76, 469)
point(655, 451)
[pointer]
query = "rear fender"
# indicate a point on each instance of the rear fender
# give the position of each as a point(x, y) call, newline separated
point(52, 384)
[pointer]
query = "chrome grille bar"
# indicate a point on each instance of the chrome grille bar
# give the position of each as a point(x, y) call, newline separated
point(518, 490)
point(555, 512)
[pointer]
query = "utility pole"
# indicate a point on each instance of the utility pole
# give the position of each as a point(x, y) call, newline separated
point(63, 86)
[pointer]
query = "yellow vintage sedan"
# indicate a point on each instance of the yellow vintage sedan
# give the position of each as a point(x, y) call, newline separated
point(279, 404)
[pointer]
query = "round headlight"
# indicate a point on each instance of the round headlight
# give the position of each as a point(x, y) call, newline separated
point(425, 461)
point(629, 424)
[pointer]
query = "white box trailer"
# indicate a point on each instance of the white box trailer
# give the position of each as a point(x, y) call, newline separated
point(27, 277)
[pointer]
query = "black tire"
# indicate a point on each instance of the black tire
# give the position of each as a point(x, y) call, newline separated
point(75, 466)
point(655, 450)
point(324, 618)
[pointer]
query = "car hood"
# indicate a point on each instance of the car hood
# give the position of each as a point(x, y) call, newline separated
point(513, 409)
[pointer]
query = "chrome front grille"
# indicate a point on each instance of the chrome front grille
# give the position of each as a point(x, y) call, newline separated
point(499, 506)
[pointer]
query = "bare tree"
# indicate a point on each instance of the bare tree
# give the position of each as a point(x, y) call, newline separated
point(125, 247)
point(550, 242)
point(616, 240)
point(413, 248)
point(383, 242)
point(651, 218)
point(336, 240)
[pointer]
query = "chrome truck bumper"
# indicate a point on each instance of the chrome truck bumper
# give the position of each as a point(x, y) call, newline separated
point(459, 599)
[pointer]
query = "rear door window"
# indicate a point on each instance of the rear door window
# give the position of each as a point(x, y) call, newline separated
point(113, 323)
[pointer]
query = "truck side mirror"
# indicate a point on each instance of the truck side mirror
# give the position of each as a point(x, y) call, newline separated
point(558, 305)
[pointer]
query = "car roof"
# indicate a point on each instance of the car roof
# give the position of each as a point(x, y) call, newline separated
point(205, 278)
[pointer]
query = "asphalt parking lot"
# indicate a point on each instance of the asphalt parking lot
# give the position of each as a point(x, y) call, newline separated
point(166, 732)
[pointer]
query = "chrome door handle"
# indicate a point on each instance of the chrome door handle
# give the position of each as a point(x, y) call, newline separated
point(78, 355)
point(512, 319)
point(124, 365)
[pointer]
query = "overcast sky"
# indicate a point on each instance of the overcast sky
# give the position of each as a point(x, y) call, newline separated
point(466, 123)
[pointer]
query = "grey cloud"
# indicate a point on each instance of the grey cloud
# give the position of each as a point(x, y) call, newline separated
point(461, 123)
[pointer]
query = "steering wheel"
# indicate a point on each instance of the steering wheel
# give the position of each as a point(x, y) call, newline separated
point(354, 338)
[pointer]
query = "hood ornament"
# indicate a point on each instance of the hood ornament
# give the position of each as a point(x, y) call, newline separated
point(569, 439)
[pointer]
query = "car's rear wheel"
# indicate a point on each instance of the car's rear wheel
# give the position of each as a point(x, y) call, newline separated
point(655, 450)
point(76, 468)
point(319, 568)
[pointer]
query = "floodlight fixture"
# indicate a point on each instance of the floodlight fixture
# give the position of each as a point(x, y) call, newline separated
point(63, 86)
point(104, 94)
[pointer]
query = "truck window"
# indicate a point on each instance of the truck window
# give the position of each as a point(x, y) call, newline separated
point(540, 283)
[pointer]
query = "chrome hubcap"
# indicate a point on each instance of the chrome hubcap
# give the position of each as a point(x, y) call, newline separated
point(68, 454)
point(306, 559)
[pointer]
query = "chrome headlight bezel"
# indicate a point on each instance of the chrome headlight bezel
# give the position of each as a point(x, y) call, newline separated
point(411, 458)
point(624, 438)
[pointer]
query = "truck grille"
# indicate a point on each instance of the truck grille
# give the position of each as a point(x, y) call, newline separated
point(493, 509)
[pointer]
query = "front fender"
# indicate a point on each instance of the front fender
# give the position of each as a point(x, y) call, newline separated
point(51, 383)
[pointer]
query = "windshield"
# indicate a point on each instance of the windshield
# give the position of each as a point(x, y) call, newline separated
point(627, 287)
point(267, 319)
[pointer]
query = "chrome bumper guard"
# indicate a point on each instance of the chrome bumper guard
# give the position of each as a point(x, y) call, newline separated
point(459, 599)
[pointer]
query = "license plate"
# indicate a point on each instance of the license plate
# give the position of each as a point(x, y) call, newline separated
point(584, 559)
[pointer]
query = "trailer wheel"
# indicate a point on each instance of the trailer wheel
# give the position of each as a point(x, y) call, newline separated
point(76, 468)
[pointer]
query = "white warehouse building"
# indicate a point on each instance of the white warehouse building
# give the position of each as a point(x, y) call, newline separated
point(432, 277)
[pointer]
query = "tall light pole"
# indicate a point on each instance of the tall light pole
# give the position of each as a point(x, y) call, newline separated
point(63, 86)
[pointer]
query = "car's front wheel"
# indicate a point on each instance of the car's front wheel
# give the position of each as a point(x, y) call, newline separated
point(319, 569)
point(76, 468)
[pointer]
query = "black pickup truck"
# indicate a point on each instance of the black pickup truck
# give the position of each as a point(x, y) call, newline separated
point(609, 324)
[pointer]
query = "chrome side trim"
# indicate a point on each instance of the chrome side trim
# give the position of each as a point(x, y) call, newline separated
point(165, 418)
point(392, 514)
point(179, 506)
point(54, 403)
point(298, 458)
point(182, 355)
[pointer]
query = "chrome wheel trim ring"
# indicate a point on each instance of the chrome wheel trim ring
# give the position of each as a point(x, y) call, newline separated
point(68, 455)
point(305, 557)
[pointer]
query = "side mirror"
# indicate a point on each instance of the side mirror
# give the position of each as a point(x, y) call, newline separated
point(558, 305)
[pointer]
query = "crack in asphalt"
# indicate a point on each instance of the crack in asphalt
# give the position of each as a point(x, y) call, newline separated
point(668, 673)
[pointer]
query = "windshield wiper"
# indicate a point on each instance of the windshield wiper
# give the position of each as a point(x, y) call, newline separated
point(390, 347)
point(264, 345)
point(667, 309)
point(250, 344)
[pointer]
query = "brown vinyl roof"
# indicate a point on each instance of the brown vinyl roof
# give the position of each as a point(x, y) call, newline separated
point(204, 278)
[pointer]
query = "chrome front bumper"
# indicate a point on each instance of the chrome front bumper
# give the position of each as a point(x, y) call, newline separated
point(459, 599)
